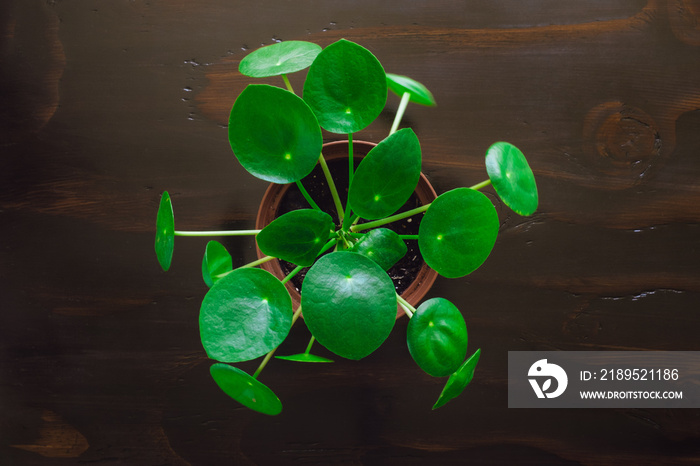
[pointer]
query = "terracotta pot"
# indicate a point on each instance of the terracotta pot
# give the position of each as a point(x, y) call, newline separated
point(277, 195)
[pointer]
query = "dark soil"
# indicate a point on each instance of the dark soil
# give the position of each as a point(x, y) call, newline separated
point(404, 271)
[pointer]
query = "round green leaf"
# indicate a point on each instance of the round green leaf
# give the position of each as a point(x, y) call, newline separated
point(346, 87)
point(280, 58)
point(383, 246)
point(216, 261)
point(349, 304)
point(304, 357)
point(512, 177)
point(165, 232)
point(437, 337)
point(244, 315)
point(245, 389)
point(387, 176)
point(459, 380)
point(418, 93)
point(297, 236)
point(458, 232)
point(274, 134)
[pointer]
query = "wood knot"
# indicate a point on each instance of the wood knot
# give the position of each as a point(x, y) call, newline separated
point(622, 142)
point(684, 16)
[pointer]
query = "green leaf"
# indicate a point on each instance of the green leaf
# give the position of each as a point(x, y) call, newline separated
point(274, 134)
point(383, 246)
point(297, 236)
point(165, 232)
point(280, 58)
point(216, 261)
point(244, 315)
point(512, 178)
point(459, 380)
point(245, 389)
point(418, 93)
point(437, 337)
point(458, 232)
point(304, 357)
point(387, 176)
point(346, 87)
point(349, 304)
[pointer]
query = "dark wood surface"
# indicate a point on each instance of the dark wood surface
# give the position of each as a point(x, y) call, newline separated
point(107, 104)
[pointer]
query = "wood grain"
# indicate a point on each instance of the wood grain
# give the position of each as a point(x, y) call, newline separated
point(107, 104)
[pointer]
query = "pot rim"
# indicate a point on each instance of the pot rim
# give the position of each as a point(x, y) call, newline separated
point(274, 193)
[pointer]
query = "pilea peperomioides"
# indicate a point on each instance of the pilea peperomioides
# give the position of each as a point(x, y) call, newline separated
point(349, 302)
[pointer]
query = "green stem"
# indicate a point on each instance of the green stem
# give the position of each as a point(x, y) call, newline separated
point(331, 242)
point(351, 162)
point(408, 236)
point(258, 262)
point(287, 83)
point(218, 233)
point(408, 309)
point(331, 186)
point(249, 264)
point(307, 196)
point(399, 113)
point(393, 218)
point(291, 274)
point(311, 342)
point(269, 355)
point(483, 184)
point(351, 174)
point(349, 220)
point(298, 268)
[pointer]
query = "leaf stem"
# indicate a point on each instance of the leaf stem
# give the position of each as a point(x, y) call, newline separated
point(287, 83)
point(311, 342)
point(351, 174)
point(349, 220)
point(408, 236)
point(331, 242)
point(399, 112)
point(483, 184)
point(392, 218)
point(307, 196)
point(218, 233)
point(269, 355)
point(291, 274)
point(408, 309)
point(331, 186)
point(258, 262)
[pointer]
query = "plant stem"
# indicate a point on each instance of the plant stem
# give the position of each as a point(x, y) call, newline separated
point(268, 356)
point(331, 242)
point(349, 220)
point(483, 184)
point(399, 113)
point(351, 173)
point(218, 233)
point(311, 342)
point(307, 196)
point(331, 186)
point(408, 236)
point(249, 264)
point(393, 218)
point(408, 213)
point(287, 83)
point(351, 162)
point(291, 274)
point(408, 309)
point(258, 262)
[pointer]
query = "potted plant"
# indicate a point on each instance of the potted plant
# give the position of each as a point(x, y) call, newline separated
point(349, 302)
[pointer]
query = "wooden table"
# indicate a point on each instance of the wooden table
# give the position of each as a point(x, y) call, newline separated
point(107, 104)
